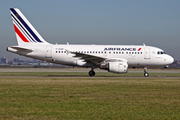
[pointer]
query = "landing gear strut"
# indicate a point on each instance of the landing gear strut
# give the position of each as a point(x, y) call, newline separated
point(146, 74)
point(92, 73)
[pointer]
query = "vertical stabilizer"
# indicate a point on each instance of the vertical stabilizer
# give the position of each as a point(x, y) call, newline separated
point(25, 32)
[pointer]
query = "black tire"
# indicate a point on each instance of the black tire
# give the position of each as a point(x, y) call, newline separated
point(146, 74)
point(91, 73)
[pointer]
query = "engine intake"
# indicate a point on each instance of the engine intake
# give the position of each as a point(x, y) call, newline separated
point(115, 67)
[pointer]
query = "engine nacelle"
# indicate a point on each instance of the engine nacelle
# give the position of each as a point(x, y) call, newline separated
point(115, 67)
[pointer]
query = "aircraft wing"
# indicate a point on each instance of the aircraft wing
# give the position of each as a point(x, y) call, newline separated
point(96, 59)
point(20, 48)
point(89, 58)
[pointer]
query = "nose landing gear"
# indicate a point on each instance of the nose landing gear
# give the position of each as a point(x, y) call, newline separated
point(146, 74)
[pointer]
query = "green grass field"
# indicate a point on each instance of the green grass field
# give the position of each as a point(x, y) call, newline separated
point(89, 98)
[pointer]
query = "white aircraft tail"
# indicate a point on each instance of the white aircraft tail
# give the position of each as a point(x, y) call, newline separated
point(25, 32)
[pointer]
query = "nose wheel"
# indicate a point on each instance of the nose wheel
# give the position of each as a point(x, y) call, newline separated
point(91, 73)
point(146, 74)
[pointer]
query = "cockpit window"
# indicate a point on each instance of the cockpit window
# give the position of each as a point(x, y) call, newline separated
point(161, 52)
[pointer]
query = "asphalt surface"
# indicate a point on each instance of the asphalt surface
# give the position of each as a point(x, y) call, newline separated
point(83, 70)
point(158, 77)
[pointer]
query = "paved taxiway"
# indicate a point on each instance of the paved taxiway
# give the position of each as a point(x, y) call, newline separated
point(158, 77)
point(83, 70)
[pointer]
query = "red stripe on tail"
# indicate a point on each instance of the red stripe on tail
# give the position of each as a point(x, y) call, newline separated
point(20, 34)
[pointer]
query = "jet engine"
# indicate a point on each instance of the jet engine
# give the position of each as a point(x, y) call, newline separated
point(115, 67)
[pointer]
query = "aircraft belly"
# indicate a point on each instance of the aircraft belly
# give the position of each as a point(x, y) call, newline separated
point(64, 59)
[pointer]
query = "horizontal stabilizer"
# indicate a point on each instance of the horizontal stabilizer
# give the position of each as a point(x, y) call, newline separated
point(20, 48)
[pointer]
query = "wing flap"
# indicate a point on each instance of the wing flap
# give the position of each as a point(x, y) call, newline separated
point(88, 57)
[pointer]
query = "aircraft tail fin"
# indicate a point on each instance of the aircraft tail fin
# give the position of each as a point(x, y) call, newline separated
point(25, 32)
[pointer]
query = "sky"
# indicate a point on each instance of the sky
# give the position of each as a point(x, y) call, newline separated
point(115, 22)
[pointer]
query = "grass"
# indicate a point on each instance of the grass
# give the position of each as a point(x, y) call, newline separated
point(89, 98)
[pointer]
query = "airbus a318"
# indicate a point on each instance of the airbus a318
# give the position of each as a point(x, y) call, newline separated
point(114, 58)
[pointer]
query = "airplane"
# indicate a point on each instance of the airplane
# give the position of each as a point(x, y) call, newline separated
point(114, 58)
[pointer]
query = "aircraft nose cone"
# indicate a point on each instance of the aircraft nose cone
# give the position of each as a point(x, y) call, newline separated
point(170, 60)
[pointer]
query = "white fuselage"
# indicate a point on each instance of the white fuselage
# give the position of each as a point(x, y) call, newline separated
point(135, 55)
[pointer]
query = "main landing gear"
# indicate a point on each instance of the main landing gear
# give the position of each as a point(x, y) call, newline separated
point(92, 73)
point(146, 74)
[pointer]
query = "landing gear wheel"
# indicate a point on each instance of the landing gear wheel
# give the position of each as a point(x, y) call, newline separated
point(146, 74)
point(91, 73)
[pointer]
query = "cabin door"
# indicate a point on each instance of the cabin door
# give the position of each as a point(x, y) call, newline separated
point(147, 53)
point(48, 51)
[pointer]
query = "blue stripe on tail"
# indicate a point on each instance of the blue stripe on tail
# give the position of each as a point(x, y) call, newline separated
point(22, 27)
point(26, 26)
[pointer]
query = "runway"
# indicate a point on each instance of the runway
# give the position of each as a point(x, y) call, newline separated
point(83, 70)
point(83, 73)
point(111, 77)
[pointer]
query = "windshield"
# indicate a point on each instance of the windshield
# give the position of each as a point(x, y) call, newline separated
point(161, 52)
